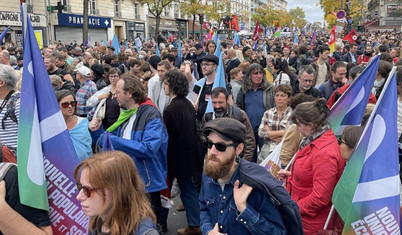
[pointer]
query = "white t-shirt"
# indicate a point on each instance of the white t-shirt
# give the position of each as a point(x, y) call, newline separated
point(129, 127)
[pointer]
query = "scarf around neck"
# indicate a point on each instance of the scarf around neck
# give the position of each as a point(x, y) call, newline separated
point(124, 115)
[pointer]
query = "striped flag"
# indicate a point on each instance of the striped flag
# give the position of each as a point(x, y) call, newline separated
point(332, 39)
point(45, 146)
point(277, 33)
point(350, 107)
point(367, 195)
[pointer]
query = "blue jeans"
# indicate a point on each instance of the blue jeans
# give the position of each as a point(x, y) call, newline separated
point(189, 197)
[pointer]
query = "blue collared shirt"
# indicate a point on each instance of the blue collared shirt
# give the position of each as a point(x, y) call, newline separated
point(217, 206)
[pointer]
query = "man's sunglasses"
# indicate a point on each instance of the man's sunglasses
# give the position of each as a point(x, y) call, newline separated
point(66, 104)
point(87, 191)
point(219, 146)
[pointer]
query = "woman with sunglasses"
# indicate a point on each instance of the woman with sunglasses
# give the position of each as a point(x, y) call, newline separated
point(105, 97)
point(317, 166)
point(77, 126)
point(349, 139)
point(112, 194)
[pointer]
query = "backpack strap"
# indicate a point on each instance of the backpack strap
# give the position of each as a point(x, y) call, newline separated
point(4, 167)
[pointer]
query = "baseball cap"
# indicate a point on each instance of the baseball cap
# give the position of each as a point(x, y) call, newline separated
point(84, 71)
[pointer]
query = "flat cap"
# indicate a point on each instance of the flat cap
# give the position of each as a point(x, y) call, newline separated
point(210, 58)
point(227, 128)
point(198, 46)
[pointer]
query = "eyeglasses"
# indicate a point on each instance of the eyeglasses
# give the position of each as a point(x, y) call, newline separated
point(87, 191)
point(340, 141)
point(219, 146)
point(66, 104)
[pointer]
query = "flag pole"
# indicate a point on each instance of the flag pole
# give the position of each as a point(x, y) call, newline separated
point(329, 216)
point(379, 98)
point(291, 162)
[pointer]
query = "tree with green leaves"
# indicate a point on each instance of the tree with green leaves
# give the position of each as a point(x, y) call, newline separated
point(156, 7)
point(266, 15)
point(215, 10)
point(193, 8)
point(298, 15)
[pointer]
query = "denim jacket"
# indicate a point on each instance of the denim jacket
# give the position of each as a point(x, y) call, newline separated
point(217, 206)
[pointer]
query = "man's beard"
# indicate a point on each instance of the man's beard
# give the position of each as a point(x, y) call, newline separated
point(219, 112)
point(367, 53)
point(218, 169)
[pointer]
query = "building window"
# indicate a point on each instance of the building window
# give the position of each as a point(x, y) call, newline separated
point(176, 10)
point(166, 11)
point(392, 10)
point(117, 12)
point(92, 8)
point(136, 10)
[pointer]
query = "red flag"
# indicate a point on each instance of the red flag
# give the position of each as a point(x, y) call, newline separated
point(351, 37)
point(206, 25)
point(235, 23)
point(276, 27)
point(332, 39)
point(257, 31)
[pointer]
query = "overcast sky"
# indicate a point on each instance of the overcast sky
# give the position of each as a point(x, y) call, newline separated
point(313, 13)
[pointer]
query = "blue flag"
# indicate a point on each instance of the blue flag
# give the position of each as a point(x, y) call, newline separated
point(255, 46)
point(158, 53)
point(215, 38)
point(44, 143)
point(296, 39)
point(126, 44)
point(3, 34)
point(236, 40)
point(218, 48)
point(350, 107)
point(367, 195)
point(219, 81)
point(107, 143)
point(179, 50)
point(116, 45)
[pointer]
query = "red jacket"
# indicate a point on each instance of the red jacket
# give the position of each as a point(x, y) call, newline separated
point(338, 92)
point(315, 172)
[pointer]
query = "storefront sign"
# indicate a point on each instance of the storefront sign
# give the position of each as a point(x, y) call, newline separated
point(77, 20)
point(14, 19)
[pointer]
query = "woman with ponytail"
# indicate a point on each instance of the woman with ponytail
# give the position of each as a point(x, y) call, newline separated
point(317, 166)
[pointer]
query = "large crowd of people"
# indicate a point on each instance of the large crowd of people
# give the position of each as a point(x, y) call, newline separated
point(173, 130)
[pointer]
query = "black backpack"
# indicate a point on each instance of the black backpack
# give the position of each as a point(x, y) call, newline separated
point(258, 177)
